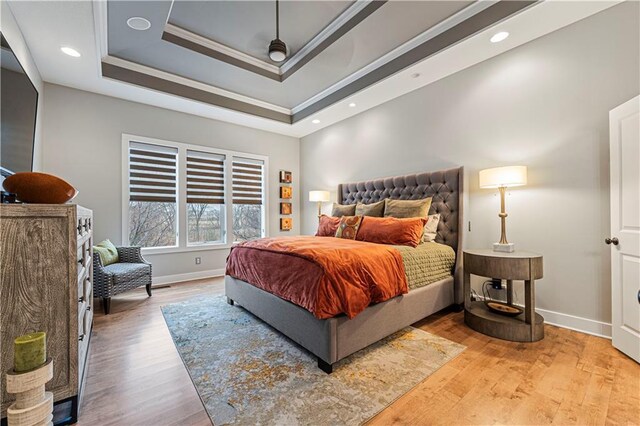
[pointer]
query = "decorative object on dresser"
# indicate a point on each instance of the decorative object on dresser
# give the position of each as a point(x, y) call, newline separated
point(47, 285)
point(129, 272)
point(31, 371)
point(39, 188)
point(319, 197)
point(503, 178)
point(520, 265)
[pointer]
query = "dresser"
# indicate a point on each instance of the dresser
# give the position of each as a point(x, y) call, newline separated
point(46, 285)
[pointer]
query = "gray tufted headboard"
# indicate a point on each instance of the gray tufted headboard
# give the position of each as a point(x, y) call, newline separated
point(446, 189)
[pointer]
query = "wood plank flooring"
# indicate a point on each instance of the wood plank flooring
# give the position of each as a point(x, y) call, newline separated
point(136, 377)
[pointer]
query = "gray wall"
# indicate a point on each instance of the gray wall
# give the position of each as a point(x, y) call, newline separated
point(11, 31)
point(544, 105)
point(82, 144)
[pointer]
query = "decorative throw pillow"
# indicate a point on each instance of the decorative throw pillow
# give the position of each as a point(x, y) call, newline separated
point(340, 210)
point(431, 228)
point(390, 230)
point(107, 251)
point(348, 227)
point(327, 226)
point(373, 209)
point(407, 208)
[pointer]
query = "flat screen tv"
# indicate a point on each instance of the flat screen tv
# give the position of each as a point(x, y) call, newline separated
point(18, 109)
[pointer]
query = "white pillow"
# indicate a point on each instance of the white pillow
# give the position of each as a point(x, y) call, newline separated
point(431, 228)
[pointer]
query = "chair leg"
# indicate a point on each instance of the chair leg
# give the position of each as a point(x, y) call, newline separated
point(106, 304)
point(148, 286)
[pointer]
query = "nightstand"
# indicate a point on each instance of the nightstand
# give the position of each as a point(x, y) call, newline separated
point(519, 265)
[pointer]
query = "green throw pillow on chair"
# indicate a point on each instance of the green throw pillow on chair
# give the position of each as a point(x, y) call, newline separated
point(107, 251)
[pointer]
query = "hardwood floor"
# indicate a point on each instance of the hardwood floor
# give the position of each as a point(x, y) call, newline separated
point(135, 375)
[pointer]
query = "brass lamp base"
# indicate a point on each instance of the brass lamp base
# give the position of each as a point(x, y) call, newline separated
point(504, 248)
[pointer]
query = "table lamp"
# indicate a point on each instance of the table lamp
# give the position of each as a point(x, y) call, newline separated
point(503, 178)
point(319, 197)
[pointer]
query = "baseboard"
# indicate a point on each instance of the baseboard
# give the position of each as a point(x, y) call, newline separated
point(177, 278)
point(572, 322)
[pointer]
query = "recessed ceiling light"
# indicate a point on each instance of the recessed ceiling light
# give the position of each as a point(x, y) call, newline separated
point(352, 105)
point(316, 121)
point(138, 23)
point(415, 75)
point(498, 37)
point(70, 51)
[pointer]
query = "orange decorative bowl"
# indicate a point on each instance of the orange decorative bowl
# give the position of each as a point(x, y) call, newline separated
point(39, 188)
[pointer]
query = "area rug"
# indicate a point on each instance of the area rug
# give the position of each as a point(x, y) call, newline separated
point(248, 373)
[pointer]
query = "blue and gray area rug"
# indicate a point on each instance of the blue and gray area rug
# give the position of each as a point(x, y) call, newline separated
point(247, 373)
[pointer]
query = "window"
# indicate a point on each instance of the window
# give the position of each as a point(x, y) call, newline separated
point(248, 211)
point(152, 195)
point(187, 197)
point(205, 197)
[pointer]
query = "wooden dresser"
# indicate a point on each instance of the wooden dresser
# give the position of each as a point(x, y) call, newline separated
point(47, 274)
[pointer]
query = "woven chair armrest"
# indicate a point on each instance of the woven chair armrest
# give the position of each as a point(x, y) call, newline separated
point(131, 255)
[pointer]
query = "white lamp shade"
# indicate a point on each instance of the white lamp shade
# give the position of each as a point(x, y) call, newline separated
point(503, 176)
point(319, 196)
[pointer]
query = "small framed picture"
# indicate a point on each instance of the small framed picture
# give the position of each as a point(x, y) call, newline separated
point(285, 177)
point(286, 224)
point(286, 208)
point(286, 192)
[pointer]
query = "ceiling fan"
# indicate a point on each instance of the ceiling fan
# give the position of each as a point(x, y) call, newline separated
point(277, 48)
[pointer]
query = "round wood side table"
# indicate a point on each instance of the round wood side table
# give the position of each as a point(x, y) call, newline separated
point(519, 265)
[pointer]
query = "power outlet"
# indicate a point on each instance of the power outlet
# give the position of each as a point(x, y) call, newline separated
point(198, 260)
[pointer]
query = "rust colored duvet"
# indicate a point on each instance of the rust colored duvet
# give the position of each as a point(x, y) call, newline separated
point(326, 276)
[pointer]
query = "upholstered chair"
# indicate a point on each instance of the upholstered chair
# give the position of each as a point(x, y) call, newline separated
point(131, 271)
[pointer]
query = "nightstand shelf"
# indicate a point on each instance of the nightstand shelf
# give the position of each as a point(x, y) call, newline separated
point(525, 266)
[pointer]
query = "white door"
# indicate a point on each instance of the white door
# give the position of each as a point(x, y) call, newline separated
point(625, 227)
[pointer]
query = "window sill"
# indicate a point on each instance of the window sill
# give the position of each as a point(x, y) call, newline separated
point(168, 250)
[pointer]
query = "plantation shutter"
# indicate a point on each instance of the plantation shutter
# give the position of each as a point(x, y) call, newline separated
point(247, 182)
point(152, 173)
point(205, 178)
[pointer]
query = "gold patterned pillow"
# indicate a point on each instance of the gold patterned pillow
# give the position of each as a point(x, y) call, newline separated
point(348, 227)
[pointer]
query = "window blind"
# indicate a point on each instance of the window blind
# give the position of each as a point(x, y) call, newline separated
point(205, 178)
point(247, 181)
point(152, 173)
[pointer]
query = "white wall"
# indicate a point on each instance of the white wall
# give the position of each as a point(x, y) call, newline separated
point(11, 32)
point(544, 105)
point(82, 144)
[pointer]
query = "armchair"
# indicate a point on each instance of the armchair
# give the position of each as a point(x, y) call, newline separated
point(131, 271)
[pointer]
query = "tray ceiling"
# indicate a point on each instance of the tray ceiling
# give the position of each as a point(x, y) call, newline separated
point(454, 44)
point(223, 45)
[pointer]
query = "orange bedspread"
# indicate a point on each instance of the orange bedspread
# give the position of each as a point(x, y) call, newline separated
point(326, 276)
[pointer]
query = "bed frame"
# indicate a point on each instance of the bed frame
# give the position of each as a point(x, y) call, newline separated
point(335, 338)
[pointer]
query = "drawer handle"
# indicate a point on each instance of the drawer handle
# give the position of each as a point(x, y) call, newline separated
point(81, 338)
point(81, 299)
point(88, 308)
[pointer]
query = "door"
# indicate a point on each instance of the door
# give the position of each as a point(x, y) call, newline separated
point(625, 227)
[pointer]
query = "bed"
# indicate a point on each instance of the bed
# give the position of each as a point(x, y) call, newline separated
point(332, 339)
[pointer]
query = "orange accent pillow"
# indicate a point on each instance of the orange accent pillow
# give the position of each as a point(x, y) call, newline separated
point(391, 230)
point(327, 226)
point(348, 227)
